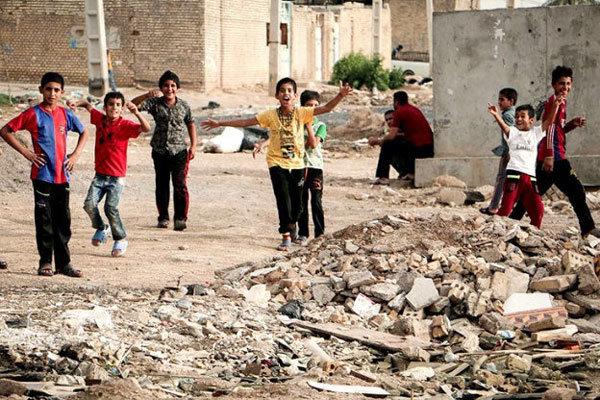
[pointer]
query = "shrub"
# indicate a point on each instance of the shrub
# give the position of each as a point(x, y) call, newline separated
point(397, 78)
point(359, 70)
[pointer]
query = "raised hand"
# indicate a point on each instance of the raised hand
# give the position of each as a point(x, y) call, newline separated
point(209, 124)
point(131, 107)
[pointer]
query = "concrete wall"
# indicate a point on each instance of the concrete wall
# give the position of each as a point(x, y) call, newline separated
point(477, 53)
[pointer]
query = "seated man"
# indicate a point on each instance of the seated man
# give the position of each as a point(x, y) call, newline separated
point(410, 137)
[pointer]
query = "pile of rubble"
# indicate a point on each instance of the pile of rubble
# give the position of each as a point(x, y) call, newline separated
point(414, 307)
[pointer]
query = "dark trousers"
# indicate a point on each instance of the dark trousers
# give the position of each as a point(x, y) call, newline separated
point(287, 186)
point(52, 222)
point(522, 189)
point(313, 184)
point(400, 154)
point(171, 167)
point(563, 176)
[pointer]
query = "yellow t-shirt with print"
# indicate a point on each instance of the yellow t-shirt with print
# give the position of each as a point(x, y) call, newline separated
point(286, 147)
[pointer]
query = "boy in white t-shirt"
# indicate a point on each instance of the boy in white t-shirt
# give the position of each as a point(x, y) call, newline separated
point(522, 140)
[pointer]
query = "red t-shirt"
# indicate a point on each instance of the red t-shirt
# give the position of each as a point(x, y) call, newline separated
point(555, 138)
point(411, 121)
point(112, 138)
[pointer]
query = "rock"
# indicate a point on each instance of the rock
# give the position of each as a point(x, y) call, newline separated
point(572, 261)
point(422, 294)
point(361, 278)
point(92, 371)
point(383, 291)
point(552, 322)
point(586, 326)
point(587, 278)
point(99, 316)
point(365, 307)
point(516, 363)
point(166, 312)
point(419, 373)
point(575, 310)
point(554, 284)
point(561, 393)
point(183, 304)
point(292, 309)
point(70, 380)
point(489, 378)
point(397, 303)
point(8, 388)
point(491, 255)
point(440, 327)
point(449, 181)
point(451, 196)
point(322, 294)
point(509, 282)
point(350, 247)
point(258, 295)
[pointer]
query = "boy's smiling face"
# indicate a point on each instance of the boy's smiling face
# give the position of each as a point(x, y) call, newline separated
point(286, 96)
point(563, 86)
point(169, 89)
point(52, 93)
point(113, 108)
point(523, 121)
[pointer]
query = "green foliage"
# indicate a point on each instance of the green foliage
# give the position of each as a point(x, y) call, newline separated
point(361, 71)
point(6, 100)
point(397, 78)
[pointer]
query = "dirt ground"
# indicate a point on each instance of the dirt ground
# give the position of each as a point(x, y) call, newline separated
point(232, 209)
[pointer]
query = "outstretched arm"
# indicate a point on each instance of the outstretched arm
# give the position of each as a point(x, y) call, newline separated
point(85, 104)
point(210, 123)
point(494, 111)
point(145, 126)
point(345, 90)
point(36, 159)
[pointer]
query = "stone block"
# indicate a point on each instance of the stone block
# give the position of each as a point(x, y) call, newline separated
point(422, 294)
point(554, 284)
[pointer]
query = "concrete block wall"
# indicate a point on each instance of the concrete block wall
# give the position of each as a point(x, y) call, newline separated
point(235, 39)
point(304, 22)
point(38, 36)
point(476, 53)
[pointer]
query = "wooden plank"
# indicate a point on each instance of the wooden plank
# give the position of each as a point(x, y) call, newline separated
point(368, 337)
point(366, 390)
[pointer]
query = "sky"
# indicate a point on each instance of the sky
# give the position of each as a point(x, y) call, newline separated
point(488, 4)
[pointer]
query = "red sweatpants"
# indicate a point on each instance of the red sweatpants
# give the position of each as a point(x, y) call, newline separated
point(524, 191)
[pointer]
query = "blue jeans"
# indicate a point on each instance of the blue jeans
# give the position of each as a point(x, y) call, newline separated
point(112, 187)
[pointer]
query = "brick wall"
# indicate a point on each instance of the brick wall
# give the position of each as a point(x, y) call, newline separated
point(409, 21)
point(304, 23)
point(153, 35)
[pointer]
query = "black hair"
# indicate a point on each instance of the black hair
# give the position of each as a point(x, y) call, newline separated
point(283, 81)
point(510, 94)
point(168, 76)
point(560, 72)
point(528, 108)
point(52, 77)
point(401, 97)
point(114, 95)
point(309, 95)
point(388, 112)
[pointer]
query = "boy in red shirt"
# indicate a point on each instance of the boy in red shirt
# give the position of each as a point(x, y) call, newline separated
point(112, 136)
point(48, 123)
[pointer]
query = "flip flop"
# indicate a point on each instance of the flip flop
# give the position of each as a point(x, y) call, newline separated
point(45, 270)
point(486, 211)
point(69, 271)
point(119, 248)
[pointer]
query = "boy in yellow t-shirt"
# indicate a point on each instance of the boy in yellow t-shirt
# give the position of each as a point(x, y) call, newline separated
point(285, 157)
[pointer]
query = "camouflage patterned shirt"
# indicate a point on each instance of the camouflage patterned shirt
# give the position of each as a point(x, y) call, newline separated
point(170, 133)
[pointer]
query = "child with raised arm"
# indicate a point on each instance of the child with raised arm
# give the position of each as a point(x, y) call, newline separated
point(170, 152)
point(110, 158)
point(49, 123)
point(285, 157)
point(522, 140)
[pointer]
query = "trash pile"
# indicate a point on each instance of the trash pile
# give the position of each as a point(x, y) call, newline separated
point(442, 306)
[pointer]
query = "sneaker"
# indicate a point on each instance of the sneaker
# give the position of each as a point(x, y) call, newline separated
point(285, 245)
point(119, 248)
point(301, 240)
point(381, 181)
point(163, 224)
point(100, 236)
point(180, 225)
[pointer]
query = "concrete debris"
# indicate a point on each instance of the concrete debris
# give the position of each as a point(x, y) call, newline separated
point(423, 306)
point(451, 196)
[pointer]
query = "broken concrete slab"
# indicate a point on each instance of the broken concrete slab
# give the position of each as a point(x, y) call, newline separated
point(422, 294)
point(554, 284)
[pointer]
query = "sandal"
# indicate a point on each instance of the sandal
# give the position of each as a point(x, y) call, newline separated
point(301, 240)
point(45, 270)
point(119, 248)
point(381, 181)
point(69, 271)
point(285, 244)
point(487, 211)
point(100, 236)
